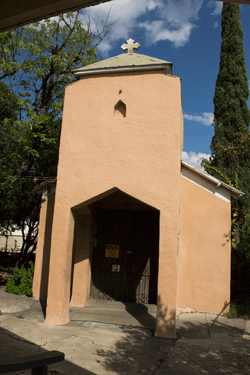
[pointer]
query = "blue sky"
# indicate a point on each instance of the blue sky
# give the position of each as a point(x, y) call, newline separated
point(186, 33)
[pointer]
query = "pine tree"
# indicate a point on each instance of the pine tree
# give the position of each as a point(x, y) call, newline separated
point(230, 157)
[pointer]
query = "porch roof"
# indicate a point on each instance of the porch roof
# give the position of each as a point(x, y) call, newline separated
point(16, 13)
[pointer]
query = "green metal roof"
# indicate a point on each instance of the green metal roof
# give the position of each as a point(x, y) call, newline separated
point(125, 62)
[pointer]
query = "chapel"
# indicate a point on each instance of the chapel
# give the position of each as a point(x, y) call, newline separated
point(129, 220)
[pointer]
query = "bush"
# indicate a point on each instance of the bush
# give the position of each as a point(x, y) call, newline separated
point(21, 281)
point(239, 310)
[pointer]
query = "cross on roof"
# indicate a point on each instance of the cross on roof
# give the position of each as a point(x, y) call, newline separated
point(130, 46)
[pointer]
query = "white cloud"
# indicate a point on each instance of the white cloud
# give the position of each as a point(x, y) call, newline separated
point(159, 19)
point(174, 22)
point(156, 32)
point(217, 7)
point(194, 158)
point(152, 5)
point(216, 24)
point(206, 119)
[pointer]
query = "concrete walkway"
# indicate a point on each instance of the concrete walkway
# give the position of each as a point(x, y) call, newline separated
point(117, 338)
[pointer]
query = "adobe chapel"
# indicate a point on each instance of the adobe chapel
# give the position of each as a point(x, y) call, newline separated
point(129, 220)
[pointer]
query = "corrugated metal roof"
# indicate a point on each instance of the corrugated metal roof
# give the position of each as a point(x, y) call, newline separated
point(124, 62)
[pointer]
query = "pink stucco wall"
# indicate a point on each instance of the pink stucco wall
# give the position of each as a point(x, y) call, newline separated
point(205, 247)
point(139, 154)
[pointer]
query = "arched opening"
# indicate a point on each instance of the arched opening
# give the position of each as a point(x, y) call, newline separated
point(120, 109)
point(125, 250)
point(115, 250)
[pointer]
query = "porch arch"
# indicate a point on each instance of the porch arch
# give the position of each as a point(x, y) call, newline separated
point(132, 226)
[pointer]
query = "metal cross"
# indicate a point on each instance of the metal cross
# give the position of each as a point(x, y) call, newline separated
point(130, 46)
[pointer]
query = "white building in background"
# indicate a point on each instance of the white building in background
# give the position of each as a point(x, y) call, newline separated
point(11, 242)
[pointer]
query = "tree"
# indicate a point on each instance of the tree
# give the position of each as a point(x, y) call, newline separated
point(10, 49)
point(230, 146)
point(36, 63)
point(230, 159)
point(19, 207)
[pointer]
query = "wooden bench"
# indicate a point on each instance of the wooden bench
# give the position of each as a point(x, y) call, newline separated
point(36, 362)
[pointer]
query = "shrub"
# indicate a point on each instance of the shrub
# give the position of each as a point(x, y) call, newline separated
point(239, 310)
point(21, 281)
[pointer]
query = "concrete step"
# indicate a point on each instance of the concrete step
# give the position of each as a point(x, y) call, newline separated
point(117, 305)
point(119, 313)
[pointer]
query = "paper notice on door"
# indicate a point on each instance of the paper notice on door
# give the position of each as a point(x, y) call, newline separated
point(115, 267)
point(112, 251)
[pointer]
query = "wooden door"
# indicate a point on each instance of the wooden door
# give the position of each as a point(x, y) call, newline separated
point(125, 258)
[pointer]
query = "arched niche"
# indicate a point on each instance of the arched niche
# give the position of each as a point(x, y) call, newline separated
point(120, 109)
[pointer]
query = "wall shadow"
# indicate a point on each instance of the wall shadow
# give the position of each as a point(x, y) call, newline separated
point(13, 346)
point(214, 328)
point(43, 305)
point(137, 352)
point(141, 313)
point(47, 247)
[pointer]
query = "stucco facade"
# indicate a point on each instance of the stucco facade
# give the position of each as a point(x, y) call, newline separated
point(205, 245)
point(120, 156)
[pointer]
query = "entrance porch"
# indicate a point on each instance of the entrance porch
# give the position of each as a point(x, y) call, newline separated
point(115, 251)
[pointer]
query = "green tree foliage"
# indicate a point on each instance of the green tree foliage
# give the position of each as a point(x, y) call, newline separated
point(230, 146)
point(36, 63)
point(11, 46)
point(21, 281)
point(8, 104)
point(230, 159)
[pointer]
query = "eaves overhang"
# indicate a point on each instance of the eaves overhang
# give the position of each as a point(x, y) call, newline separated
point(235, 193)
point(125, 63)
point(122, 69)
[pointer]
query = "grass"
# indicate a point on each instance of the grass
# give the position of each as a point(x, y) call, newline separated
point(239, 310)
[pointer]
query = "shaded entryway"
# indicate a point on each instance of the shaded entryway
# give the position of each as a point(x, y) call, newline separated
point(125, 256)
point(115, 250)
